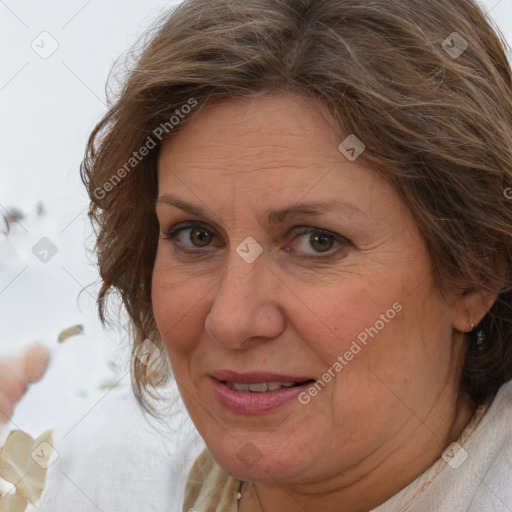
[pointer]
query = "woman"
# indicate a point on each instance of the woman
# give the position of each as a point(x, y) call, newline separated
point(302, 204)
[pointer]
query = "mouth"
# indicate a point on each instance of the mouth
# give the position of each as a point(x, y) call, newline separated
point(264, 387)
point(257, 393)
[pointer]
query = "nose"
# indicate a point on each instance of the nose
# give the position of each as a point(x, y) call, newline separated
point(245, 308)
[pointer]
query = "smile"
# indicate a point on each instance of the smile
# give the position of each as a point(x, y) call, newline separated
point(259, 396)
point(261, 387)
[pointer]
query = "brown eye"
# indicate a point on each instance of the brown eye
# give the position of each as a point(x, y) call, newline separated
point(316, 242)
point(199, 237)
point(321, 242)
point(190, 236)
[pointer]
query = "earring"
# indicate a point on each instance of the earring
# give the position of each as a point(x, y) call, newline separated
point(479, 338)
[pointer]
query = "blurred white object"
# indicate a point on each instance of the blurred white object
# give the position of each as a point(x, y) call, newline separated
point(16, 374)
point(114, 458)
point(473, 476)
point(23, 463)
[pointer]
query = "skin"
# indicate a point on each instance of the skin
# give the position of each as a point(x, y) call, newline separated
point(392, 410)
point(15, 376)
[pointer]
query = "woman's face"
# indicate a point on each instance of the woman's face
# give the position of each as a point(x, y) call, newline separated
point(292, 264)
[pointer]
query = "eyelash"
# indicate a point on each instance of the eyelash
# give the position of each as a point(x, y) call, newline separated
point(342, 241)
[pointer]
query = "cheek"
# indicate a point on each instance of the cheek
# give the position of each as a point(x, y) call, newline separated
point(378, 329)
point(176, 302)
point(346, 313)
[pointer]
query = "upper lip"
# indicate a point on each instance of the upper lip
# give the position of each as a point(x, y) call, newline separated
point(255, 377)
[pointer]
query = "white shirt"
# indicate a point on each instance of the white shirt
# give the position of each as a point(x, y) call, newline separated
point(115, 460)
point(478, 478)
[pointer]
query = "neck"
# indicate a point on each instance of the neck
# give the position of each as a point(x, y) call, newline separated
point(370, 488)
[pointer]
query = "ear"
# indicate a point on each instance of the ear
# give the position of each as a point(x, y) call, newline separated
point(472, 305)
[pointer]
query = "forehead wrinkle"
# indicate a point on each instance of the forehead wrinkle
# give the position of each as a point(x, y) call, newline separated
point(271, 217)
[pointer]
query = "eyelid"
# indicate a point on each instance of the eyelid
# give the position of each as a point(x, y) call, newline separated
point(302, 230)
point(342, 242)
point(170, 234)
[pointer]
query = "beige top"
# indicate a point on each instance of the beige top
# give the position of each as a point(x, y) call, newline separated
point(210, 489)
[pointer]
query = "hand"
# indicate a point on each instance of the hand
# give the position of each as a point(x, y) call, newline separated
point(16, 374)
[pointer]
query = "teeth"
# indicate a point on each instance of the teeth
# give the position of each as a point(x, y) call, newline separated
point(260, 387)
point(240, 387)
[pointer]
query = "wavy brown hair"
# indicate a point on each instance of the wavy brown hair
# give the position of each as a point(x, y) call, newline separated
point(438, 125)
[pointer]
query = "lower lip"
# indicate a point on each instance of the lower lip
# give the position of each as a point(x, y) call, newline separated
point(253, 404)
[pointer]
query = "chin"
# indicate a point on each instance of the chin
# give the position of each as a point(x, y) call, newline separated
point(244, 460)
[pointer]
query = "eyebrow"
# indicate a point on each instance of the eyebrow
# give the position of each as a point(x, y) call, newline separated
point(271, 217)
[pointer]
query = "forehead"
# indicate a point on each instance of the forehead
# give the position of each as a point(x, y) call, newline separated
point(275, 149)
point(288, 128)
